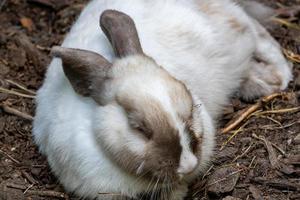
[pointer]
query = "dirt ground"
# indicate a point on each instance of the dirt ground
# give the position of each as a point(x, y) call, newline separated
point(257, 159)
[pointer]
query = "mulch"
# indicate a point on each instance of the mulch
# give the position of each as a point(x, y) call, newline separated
point(258, 143)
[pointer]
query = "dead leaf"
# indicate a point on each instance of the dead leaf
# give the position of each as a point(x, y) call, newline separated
point(27, 23)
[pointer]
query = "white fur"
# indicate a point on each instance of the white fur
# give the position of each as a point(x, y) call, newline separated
point(200, 49)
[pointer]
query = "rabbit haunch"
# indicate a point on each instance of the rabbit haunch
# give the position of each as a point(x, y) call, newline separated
point(158, 108)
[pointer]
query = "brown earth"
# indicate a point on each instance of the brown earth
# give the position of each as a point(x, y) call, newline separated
point(258, 159)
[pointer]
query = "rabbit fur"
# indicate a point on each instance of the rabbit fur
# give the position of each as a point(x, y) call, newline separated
point(213, 47)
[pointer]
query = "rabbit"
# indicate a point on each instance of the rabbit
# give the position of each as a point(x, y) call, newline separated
point(129, 110)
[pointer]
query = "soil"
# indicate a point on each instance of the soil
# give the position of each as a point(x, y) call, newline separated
point(258, 159)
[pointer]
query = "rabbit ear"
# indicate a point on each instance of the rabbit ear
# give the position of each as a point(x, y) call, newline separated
point(121, 32)
point(85, 70)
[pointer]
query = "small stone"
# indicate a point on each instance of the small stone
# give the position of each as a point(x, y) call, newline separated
point(223, 180)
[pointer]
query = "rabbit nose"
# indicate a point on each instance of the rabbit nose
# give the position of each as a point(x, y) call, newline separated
point(188, 163)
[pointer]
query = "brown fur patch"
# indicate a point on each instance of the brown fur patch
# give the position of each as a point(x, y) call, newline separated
point(164, 149)
point(207, 8)
point(236, 25)
point(233, 22)
point(182, 100)
point(180, 96)
point(195, 139)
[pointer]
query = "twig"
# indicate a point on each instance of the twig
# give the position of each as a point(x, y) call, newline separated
point(292, 56)
point(43, 48)
point(16, 112)
point(274, 145)
point(286, 23)
point(10, 157)
point(20, 87)
point(233, 135)
point(296, 109)
point(207, 172)
point(244, 153)
point(249, 111)
point(28, 188)
point(225, 178)
point(270, 127)
point(3, 90)
point(251, 163)
point(48, 193)
point(16, 186)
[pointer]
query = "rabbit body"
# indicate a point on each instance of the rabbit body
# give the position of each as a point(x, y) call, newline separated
point(208, 45)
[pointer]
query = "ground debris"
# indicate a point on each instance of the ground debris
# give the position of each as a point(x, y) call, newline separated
point(272, 154)
point(225, 154)
point(39, 61)
point(279, 184)
point(27, 23)
point(256, 193)
point(297, 139)
point(293, 160)
point(55, 4)
point(223, 180)
point(231, 198)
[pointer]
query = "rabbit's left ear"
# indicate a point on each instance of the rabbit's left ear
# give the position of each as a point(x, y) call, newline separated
point(85, 70)
point(121, 32)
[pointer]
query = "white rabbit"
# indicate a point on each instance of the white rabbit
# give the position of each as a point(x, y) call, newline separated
point(142, 122)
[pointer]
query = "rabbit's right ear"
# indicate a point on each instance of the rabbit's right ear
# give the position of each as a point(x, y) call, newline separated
point(121, 31)
point(85, 70)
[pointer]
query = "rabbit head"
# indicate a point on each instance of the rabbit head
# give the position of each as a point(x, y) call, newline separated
point(150, 124)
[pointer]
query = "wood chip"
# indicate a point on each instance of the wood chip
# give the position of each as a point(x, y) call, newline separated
point(29, 177)
point(256, 193)
point(225, 154)
point(272, 155)
point(223, 180)
point(16, 112)
point(39, 60)
point(277, 183)
point(293, 160)
point(271, 151)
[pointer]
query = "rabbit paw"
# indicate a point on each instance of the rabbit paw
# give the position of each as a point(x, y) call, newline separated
point(264, 78)
point(269, 71)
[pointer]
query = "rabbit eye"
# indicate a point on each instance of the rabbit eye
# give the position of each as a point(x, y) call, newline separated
point(146, 132)
point(142, 129)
